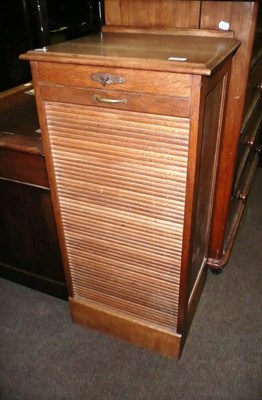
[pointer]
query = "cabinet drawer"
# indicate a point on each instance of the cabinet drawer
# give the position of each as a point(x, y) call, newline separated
point(23, 167)
point(258, 38)
point(128, 80)
point(249, 138)
point(240, 195)
point(253, 93)
point(242, 187)
point(140, 102)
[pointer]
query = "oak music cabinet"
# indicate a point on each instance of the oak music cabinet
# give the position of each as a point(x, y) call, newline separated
point(145, 158)
point(131, 126)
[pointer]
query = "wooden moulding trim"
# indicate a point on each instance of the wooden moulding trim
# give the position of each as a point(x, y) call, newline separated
point(108, 321)
point(131, 63)
point(21, 143)
point(218, 263)
point(91, 51)
point(168, 31)
point(194, 300)
point(190, 202)
point(16, 89)
point(116, 62)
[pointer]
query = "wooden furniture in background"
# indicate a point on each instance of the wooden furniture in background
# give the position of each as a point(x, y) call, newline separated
point(240, 148)
point(165, 13)
point(29, 250)
point(239, 154)
point(132, 142)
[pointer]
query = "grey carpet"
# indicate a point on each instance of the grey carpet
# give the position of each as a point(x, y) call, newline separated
point(44, 356)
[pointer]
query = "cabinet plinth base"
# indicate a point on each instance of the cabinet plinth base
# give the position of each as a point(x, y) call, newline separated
point(104, 319)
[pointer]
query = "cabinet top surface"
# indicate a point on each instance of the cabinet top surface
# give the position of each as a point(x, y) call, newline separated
point(174, 53)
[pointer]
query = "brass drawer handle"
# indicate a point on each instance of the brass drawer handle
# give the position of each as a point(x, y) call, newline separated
point(110, 101)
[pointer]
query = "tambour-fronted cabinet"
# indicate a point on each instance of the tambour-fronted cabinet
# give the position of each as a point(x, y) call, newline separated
point(132, 125)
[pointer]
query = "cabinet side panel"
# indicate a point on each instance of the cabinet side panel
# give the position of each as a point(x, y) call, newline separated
point(214, 105)
point(121, 183)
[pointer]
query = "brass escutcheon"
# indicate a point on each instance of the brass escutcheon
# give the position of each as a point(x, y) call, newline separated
point(107, 79)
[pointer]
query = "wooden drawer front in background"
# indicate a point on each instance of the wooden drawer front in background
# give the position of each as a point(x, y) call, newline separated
point(258, 37)
point(240, 194)
point(23, 167)
point(126, 80)
point(249, 138)
point(253, 93)
point(121, 183)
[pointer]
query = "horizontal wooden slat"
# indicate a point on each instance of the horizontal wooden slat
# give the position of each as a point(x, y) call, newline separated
point(165, 263)
point(124, 177)
point(124, 250)
point(162, 232)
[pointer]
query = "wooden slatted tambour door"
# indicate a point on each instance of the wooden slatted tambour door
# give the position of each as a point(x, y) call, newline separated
point(121, 181)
